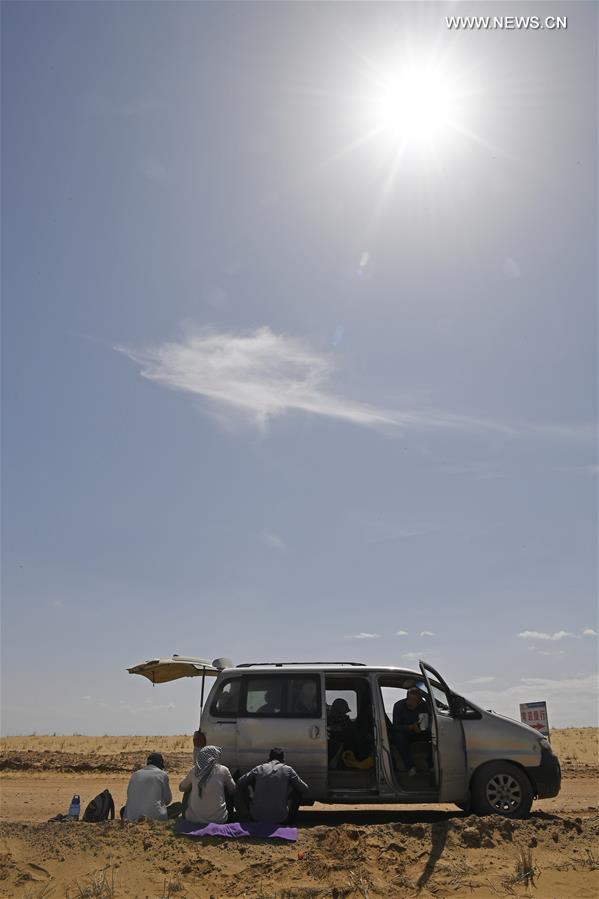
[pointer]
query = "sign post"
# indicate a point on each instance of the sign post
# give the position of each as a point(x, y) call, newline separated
point(535, 715)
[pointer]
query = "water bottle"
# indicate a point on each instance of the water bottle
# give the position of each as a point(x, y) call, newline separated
point(75, 807)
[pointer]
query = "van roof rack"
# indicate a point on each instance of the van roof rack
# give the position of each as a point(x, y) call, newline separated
point(281, 664)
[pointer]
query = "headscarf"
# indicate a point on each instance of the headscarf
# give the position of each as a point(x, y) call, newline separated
point(205, 762)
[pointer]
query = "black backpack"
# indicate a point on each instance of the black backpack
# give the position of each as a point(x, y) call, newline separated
point(100, 808)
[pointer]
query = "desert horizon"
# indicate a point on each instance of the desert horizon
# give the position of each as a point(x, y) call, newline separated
point(342, 852)
point(299, 356)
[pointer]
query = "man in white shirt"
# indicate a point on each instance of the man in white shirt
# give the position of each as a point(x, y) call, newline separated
point(149, 792)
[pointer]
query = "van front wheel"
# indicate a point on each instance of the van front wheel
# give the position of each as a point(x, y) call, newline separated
point(501, 788)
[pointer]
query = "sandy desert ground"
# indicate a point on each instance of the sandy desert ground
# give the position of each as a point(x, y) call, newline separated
point(377, 851)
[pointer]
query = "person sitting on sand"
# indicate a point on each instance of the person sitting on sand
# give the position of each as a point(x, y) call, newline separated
point(149, 793)
point(210, 788)
point(276, 790)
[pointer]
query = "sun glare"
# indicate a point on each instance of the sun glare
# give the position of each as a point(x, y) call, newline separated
point(414, 105)
point(410, 109)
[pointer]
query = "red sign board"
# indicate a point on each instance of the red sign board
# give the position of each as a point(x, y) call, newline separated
point(535, 715)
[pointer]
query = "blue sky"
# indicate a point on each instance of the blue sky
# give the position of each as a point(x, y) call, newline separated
point(281, 384)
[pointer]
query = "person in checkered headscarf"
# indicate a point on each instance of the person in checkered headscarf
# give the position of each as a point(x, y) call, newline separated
point(210, 788)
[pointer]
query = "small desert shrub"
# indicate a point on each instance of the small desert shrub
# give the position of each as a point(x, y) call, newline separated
point(171, 887)
point(97, 885)
point(525, 874)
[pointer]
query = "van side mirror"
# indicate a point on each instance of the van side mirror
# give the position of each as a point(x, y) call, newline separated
point(462, 710)
point(458, 706)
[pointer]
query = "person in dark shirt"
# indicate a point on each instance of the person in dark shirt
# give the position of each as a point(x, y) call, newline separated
point(272, 703)
point(277, 790)
point(406, 727)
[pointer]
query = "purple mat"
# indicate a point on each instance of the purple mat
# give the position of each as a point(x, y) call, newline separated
point(252, 829)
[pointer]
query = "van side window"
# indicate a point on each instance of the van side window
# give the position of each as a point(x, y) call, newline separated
point(226, 702)
point(303, 696)
point(264, 696)
point(293, 696)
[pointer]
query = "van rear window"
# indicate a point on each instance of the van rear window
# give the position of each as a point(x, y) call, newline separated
point(291, 696)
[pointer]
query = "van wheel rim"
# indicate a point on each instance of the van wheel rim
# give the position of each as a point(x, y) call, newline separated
point(504, 793)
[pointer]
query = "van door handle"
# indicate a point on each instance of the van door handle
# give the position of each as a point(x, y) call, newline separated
point(314, 731)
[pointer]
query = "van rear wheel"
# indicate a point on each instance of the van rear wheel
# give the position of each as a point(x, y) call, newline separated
point(501, 788)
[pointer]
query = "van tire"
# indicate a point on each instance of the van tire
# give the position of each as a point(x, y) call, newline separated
point(501, 788)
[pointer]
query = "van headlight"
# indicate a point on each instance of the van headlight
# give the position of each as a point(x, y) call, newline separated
point(545, 744)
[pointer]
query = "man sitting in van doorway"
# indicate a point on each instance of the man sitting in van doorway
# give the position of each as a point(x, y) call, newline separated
point(346, 737)
point(339, 728)
point(410, 725)
point(276, 790)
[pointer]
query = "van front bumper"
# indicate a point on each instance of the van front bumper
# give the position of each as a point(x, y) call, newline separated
point(547, 777)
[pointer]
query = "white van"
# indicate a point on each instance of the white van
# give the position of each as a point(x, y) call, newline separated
point(480, 760)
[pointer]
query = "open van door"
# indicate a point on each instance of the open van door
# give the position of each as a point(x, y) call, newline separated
point(160, 671)
point(449, 745)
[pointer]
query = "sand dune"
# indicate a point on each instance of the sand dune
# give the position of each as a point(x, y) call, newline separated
point(342, 852)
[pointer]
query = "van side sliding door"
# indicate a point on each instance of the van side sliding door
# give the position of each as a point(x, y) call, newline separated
point(449, 746)
point(285, 709)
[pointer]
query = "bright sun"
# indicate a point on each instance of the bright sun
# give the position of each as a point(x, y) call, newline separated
point(414, 105)
point(410, 109)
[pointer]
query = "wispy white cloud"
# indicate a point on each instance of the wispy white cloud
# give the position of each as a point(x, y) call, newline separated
point(427, 634)
point(262, 375)
point(273, 540)
point(542, 635)
point(401, 633)
point(483, 679)
point(384, 532)
point(123, 706)
point(558, 635)
point(588, 470)
point(363, 635)
point(154, 170)
point(412, 655)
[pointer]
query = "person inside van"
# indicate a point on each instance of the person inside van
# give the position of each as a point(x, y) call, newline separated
point(339, 728)
point(149, 793)
point(305, 701)
point(409, 715)
point(348, 745)
point(272, 792)
point(272, 702)
point(209, 788)
point(228, 700)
